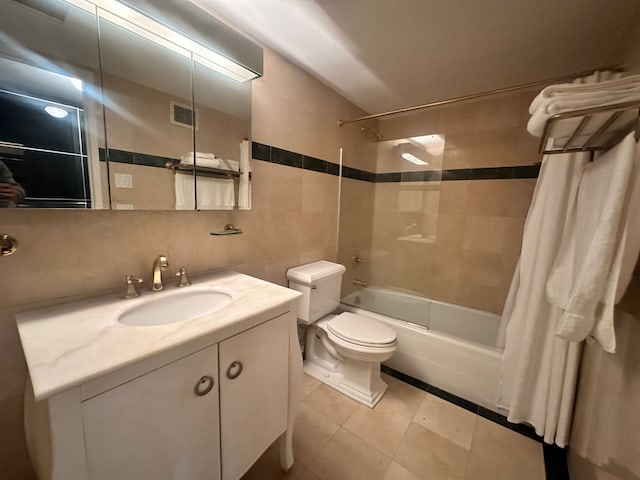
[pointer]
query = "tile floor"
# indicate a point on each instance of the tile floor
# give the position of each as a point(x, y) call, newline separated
point(410, 435)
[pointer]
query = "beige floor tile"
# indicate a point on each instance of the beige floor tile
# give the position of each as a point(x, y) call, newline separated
point(310, 385)
point(331, 403)
point(479, 468)
point(398, 472)
point(400, 398)
point(430, 455)
point(511, 451)
point(346, 457)
point(268, 468)
point(444, 418)
point(378, 428)
point(311, 432)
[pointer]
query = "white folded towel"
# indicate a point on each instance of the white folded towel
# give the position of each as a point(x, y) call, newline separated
point(567, 103)
point(613, 84)
point(599, 244)
point(213, 193)
point(185, 191)
point(187, 158)
point(209, 160)
point(244, 187)
point(609, 88)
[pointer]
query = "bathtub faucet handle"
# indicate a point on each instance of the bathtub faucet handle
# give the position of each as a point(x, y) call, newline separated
point(355, 261)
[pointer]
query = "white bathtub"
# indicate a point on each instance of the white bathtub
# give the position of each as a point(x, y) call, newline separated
point(445, 345)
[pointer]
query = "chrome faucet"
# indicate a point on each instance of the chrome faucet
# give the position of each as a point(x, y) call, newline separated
point(159, 264)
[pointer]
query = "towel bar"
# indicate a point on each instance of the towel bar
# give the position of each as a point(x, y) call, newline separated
point(606, 136)
point(205, 171)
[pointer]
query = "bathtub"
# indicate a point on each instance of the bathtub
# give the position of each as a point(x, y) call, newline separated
point(445, 345)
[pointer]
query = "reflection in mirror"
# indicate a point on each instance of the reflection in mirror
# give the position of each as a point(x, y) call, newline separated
point(50, 99)
point(222, 128)
point(147, 89)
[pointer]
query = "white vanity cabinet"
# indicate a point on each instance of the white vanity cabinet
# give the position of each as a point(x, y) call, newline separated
point(199, 412)
point(161, 425)
point(253, 393)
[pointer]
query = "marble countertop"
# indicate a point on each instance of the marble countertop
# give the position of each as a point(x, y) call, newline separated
point(72, 343)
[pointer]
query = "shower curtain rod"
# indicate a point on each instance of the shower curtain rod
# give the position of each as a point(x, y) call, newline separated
point(478, 95)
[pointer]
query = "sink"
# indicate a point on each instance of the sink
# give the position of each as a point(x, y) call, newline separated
point(176, 306)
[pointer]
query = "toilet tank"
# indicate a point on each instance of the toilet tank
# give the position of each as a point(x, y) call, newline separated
point(319, 283)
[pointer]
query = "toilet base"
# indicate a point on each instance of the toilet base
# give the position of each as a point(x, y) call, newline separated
point(358, 380)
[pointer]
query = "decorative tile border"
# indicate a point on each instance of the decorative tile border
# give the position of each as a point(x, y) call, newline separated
point(134, 158)
point(555, 458)
point(268, 153)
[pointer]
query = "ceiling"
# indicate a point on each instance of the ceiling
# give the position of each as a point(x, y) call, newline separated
point(387, 54)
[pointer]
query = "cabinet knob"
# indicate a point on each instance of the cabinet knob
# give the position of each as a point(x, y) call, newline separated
point(204, 385)
point(234, 370)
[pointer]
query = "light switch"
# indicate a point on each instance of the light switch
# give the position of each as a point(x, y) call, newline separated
point(124, 180)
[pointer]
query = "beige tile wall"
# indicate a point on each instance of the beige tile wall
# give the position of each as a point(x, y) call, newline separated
point(70, 254)
point(477, 224)
point(605, 438)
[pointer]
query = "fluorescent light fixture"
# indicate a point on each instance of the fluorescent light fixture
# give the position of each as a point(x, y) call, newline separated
point(77, 83)
point(434, 144)
point(413, 159)
point(56, 112)
point(138, 23)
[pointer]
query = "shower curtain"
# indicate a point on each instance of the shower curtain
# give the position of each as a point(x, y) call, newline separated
point(539, 369)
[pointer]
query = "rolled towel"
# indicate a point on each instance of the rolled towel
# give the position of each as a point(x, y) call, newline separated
point(615, 84)
point(205, 160)
point(567, 103)
point(187, 158)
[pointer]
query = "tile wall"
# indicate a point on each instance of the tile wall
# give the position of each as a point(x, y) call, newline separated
point(69, 254)
point(469, 219)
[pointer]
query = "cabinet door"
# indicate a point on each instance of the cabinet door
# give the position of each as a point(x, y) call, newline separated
point(157, 426)
point(253, 405)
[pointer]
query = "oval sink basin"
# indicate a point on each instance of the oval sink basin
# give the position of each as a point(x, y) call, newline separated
point(175, 307)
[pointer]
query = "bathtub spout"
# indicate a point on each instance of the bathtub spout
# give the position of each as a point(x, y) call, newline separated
point(359, 283)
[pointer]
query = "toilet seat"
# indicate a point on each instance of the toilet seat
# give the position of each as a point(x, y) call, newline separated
point(354, 329)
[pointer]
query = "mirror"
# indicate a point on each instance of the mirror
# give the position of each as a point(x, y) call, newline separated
point(222, 123)
point(146, 87)
point(51, 104)
point(102, 115)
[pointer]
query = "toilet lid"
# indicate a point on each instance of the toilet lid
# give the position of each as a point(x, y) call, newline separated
point(361, 330)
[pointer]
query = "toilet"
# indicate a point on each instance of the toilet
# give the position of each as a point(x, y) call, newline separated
point(343, 350)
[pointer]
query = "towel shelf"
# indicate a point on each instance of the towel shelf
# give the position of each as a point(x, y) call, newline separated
point(623, 118)
point(205, 171)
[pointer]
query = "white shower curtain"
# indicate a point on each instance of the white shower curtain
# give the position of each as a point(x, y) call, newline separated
point(539, 370)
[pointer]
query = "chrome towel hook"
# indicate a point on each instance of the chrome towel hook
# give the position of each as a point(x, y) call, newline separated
point(8, 245)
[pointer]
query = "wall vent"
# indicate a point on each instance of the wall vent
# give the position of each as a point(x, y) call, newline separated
point(183, 115)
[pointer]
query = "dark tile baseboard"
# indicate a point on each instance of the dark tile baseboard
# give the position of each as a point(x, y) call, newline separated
point(555, 458)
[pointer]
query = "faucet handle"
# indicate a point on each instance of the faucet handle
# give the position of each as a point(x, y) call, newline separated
point(183, 280)
point(131, 286)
